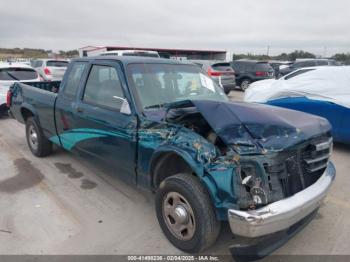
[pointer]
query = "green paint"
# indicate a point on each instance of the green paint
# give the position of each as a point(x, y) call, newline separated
point(70, 138)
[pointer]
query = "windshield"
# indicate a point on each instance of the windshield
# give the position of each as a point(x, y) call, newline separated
point(17, 74)
point(159, 84)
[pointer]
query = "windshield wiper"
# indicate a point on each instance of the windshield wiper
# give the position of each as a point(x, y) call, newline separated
point(13, 77)
point(155, 106)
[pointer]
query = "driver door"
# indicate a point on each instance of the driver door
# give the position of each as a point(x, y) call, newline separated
point(104, 122)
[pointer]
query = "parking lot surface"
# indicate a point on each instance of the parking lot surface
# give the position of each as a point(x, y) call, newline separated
point(62, 205)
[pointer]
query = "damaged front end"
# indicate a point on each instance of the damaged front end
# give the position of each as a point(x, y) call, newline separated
point(253, 155)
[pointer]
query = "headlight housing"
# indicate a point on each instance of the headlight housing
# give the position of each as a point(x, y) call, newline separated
point(254, 193)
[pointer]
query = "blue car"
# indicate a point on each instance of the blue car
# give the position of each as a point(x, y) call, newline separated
point(337, 115)
point(322, 91)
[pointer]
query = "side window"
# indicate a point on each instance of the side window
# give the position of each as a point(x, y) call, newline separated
point(74, 78)
point(38, 63)
point(103, 88)
point(237, 66)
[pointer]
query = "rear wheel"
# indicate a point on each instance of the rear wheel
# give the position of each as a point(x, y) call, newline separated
point(38, 144)
point(245, 84)
point(185, 213)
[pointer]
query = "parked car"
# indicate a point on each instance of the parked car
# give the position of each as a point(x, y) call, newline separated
point(277, 65)
point(51, 69)
point(145, 53)
point(302, 63)
point(11, 73)
point(164, 125)
point(221, 72)
point(249, 71)
point(322, 91)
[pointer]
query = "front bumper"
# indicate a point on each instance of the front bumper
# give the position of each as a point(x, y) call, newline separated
point(282, 214)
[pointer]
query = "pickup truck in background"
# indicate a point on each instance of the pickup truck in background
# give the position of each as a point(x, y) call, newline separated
point(166, 126)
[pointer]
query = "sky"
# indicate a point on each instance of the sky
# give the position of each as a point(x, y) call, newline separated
point(239, 26)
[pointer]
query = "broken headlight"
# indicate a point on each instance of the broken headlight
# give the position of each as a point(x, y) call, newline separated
point(254, 185)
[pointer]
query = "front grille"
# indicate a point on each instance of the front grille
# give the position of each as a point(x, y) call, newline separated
point(303, 167)
point(315, 159)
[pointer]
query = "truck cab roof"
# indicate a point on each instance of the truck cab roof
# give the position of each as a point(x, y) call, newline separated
point(125, 60)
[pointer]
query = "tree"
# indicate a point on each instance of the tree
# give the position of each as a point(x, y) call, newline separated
point(300, 54)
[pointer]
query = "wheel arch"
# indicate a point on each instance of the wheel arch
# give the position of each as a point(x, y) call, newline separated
point(28, 111)
point(168, 162)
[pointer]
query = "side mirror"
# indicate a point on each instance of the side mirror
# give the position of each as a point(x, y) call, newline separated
point(125, 108)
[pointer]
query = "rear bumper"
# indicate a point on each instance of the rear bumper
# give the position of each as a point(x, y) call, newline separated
point(282, 214)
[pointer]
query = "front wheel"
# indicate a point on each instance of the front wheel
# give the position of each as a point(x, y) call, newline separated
point(38, 144)
point(185, 213)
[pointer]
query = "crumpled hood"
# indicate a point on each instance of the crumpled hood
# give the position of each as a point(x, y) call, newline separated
point(251, 125)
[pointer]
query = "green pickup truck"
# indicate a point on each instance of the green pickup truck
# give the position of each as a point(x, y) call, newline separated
point(166, 126)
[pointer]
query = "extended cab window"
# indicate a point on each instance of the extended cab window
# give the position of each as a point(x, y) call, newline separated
point(74, 78)
point(103, 88)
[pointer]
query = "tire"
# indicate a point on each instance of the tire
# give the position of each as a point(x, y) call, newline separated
point(227, 90)
point(245, 84)
point(3, 110)
point(38, 144)
point(184, 192)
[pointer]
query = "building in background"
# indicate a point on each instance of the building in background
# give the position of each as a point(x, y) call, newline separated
point(178, 54)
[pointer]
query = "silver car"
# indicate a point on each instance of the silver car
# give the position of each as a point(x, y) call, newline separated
point(51, 69)
point(221, 72)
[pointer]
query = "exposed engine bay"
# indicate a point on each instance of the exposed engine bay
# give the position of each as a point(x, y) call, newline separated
point(253, 190)
point(192, 119)
point(265, 175)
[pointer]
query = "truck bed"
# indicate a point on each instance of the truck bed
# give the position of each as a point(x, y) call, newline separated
point(37, 97)
point(52, 86)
